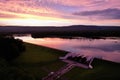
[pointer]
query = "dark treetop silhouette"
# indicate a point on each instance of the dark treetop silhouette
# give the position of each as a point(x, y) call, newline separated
point(10, 48)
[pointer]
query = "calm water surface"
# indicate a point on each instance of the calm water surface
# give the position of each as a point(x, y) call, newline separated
point(108, 49)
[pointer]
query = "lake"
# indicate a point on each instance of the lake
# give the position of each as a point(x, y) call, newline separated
point(105, 48)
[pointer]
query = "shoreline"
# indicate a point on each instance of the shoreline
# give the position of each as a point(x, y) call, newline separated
point(47, 47)
point(39, 61)
point(65, 52)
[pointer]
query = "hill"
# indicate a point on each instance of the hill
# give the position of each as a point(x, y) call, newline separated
point(64, 31)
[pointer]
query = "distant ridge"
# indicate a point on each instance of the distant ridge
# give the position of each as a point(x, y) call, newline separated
point(66, 26)
point(73, 30)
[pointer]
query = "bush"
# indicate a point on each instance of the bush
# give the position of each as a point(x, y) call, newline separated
point(11, 48)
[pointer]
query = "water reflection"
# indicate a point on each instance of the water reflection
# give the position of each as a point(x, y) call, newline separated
point(108, 49)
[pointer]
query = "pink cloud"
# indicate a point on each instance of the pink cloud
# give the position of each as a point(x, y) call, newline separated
point(62, 9)
point(92, 4)
point(11, 8)
point(56, 6)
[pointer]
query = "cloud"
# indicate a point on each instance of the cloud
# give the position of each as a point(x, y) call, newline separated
point(104, 14)
point(89, 4)
point(8, 16)
point(62, 9)
point(11, 8)
point(51, 7)
point(44, 8)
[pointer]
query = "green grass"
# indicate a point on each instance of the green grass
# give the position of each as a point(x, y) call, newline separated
point(38, 61)
point(103, 70)
point(36, 54)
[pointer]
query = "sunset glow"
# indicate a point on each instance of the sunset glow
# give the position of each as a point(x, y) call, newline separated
point(59, 12)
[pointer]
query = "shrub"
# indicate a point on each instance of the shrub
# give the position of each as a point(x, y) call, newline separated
point(11, 48)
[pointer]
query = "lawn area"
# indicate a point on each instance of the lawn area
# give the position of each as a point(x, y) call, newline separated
point(38, 61)
point(39, 54)
point(103, 70)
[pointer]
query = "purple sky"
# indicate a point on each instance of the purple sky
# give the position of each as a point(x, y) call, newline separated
point(59, 12)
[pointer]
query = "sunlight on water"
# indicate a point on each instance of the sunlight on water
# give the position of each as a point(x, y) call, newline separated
point(108, 49)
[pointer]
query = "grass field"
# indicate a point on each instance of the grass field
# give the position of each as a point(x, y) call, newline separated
point(38, 61)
